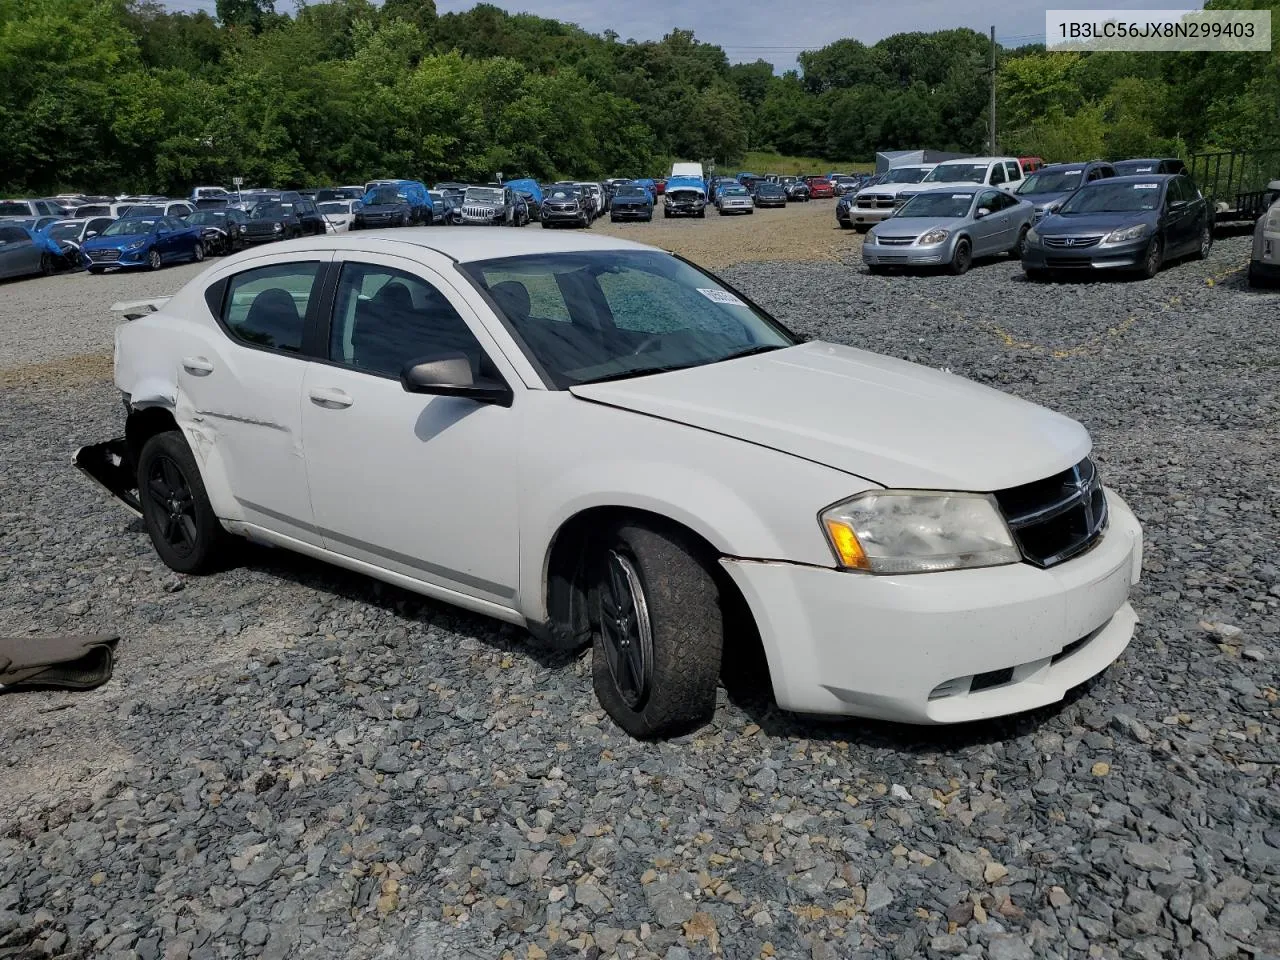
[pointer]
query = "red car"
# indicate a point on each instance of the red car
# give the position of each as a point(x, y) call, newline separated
point(820, 188)
point(661, 185)
point(1030, 164)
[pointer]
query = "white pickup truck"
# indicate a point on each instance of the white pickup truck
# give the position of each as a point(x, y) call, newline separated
point(1004, 173)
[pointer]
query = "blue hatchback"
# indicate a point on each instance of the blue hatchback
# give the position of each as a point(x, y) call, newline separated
point(143, 242)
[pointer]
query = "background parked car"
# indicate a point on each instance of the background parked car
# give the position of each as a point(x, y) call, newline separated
point(949, 227)
point(631, 202)
point(770, 194)
point(797, 190)
point(338, 214)
point(32, 208)
point(493, 205)
point(734, 199)
point(163, 208)
point(649, 184)
point(143, 242)
point(221, 229)
point(879, 196)
point(270, 220)
point(1002, 172)
point(1134, 167)
point(820, 188)
point(211, 193)
point(70, 235)
point(447, 206)
point(1050, 185)
point(401, 203)
point(1264, 260)
point(22, 252)
point(1122, 223)
point(531, 192)
point(566, 203)
point(685, 197)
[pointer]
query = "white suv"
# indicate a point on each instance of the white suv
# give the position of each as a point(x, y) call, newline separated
point(870, 205)
point(603, 443)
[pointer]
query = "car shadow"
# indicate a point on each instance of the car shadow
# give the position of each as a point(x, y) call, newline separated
point(411, 609)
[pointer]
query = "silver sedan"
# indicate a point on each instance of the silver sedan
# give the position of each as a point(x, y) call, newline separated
point(735, 200)
point(949, 227)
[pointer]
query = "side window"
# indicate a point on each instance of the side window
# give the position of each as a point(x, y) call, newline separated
point(384, 318)
point(1006, 201)
point(989, 199)
point(267, 307)
point(1015, 170)
point(997, 173)
point(12, 234)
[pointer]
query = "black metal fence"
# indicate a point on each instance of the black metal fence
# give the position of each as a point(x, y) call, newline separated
point(1235, 181)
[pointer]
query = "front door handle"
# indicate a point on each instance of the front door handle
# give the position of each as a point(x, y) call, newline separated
point(197, 366)
point(331, 398)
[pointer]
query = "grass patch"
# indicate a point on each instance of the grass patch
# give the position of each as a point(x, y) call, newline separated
point(765, 161)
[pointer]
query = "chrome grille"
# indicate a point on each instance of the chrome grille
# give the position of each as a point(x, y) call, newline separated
point(1072, 243)
point(897, 241)
point(1058, 518)
point(872, 201)
point(103, 256)
point(258, 228)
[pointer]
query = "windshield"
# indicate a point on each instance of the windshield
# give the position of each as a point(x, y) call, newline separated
point(734, 192)
point(957, 173)
point(769, 188)
point(336, 207)
point(483, 195)
point(563, 193)
point(1054, 181)
point(270, 210)
point(1104, 197)
point(904, 175)
point(207, 218)
point(1135, 168)
point(65, 231)
point(146, 210)
point(937, 204)
point(606, 315)
point(130, 227)
point(630, 191)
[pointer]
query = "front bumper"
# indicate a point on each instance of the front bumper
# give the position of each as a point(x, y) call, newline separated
point(631, 213)
point(905, 255)
point(127, 258)
point(685, 209)
point(772, 202)
point(261, 237)
point(737, 207)
point(1119, 256)
point(944, 647)
point(564, 216)
point(870, 214)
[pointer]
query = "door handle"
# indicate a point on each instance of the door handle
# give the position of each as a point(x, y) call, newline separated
point(331, 398)
point(197, 366)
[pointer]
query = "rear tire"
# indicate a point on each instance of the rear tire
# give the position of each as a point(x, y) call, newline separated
point(1206, 243)
point(962, 259)
point(176, 508)
point(657, 632)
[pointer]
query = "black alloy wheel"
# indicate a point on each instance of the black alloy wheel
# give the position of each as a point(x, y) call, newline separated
point(172, 504)
point(626, 632)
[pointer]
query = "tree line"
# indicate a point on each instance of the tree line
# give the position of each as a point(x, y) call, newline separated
point(115, 95)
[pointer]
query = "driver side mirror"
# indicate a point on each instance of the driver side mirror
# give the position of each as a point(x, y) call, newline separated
point(981, 212)
point(449, 375)
point(90, 233)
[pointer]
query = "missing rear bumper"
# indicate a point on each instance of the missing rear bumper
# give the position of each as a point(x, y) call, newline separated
point(110, 465)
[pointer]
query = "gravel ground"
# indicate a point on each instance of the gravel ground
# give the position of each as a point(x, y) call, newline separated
point(297, 762)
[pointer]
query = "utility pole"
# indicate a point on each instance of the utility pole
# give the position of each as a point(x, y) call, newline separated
point(992, 109)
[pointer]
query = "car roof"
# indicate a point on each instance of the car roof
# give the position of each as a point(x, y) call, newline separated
point(464, 246)
point(957, 160)
point(1136, 178)
point(956, 188)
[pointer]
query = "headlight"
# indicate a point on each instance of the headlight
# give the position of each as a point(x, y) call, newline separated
point(907, 531)
point(1032, 236)
point(1127, 233)
point(1273, 221)
point(277, 227)
point(933, 236)
point(137, 244)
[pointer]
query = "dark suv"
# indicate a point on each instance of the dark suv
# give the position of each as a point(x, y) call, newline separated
point(1050, 185)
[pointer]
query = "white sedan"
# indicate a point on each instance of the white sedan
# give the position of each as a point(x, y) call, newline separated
point(605, 444)
point(338, 214)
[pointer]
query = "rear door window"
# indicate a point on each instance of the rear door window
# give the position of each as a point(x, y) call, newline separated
point(267, 307)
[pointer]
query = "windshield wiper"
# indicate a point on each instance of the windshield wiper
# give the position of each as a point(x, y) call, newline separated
point(637, 372)
point(752, 351)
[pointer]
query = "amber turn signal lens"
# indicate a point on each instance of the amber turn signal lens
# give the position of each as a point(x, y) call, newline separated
point(848, 549)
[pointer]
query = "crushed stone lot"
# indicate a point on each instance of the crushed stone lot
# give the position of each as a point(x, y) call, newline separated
point(293, 761)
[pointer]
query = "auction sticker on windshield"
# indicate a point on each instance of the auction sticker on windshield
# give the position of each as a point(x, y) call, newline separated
point(721, 296)
point(1146, 186)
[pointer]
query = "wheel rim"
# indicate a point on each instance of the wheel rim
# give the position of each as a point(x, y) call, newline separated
point(625, 630)
point(1206, 242)
point(154, 259)
point(962, 257)
point(199, 252)
point(1022, 244)
point(173, 504)
point(1153, 258)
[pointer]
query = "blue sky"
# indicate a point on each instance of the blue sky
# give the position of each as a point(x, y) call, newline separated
point(756, 29)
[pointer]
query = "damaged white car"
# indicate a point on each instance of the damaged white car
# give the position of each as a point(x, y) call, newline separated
point(605, 444)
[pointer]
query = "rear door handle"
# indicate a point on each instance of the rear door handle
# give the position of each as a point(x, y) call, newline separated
point(331, 398)
point(197, 366)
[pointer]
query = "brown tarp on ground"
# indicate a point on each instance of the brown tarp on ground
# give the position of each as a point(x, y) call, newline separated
point(70, 663)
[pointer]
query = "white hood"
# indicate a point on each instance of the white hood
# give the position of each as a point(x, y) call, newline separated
point(892, 422)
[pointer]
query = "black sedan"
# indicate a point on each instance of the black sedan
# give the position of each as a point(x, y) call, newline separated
point(1122, 223)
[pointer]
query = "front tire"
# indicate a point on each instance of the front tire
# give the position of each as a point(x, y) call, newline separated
point(46, 264)
point(962, 259)
point(657, 632)
point(154, 261)
point(176, 508)
point(1016, 250)
point(197, 253)
point(1153, 261)
point(1035, 274)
